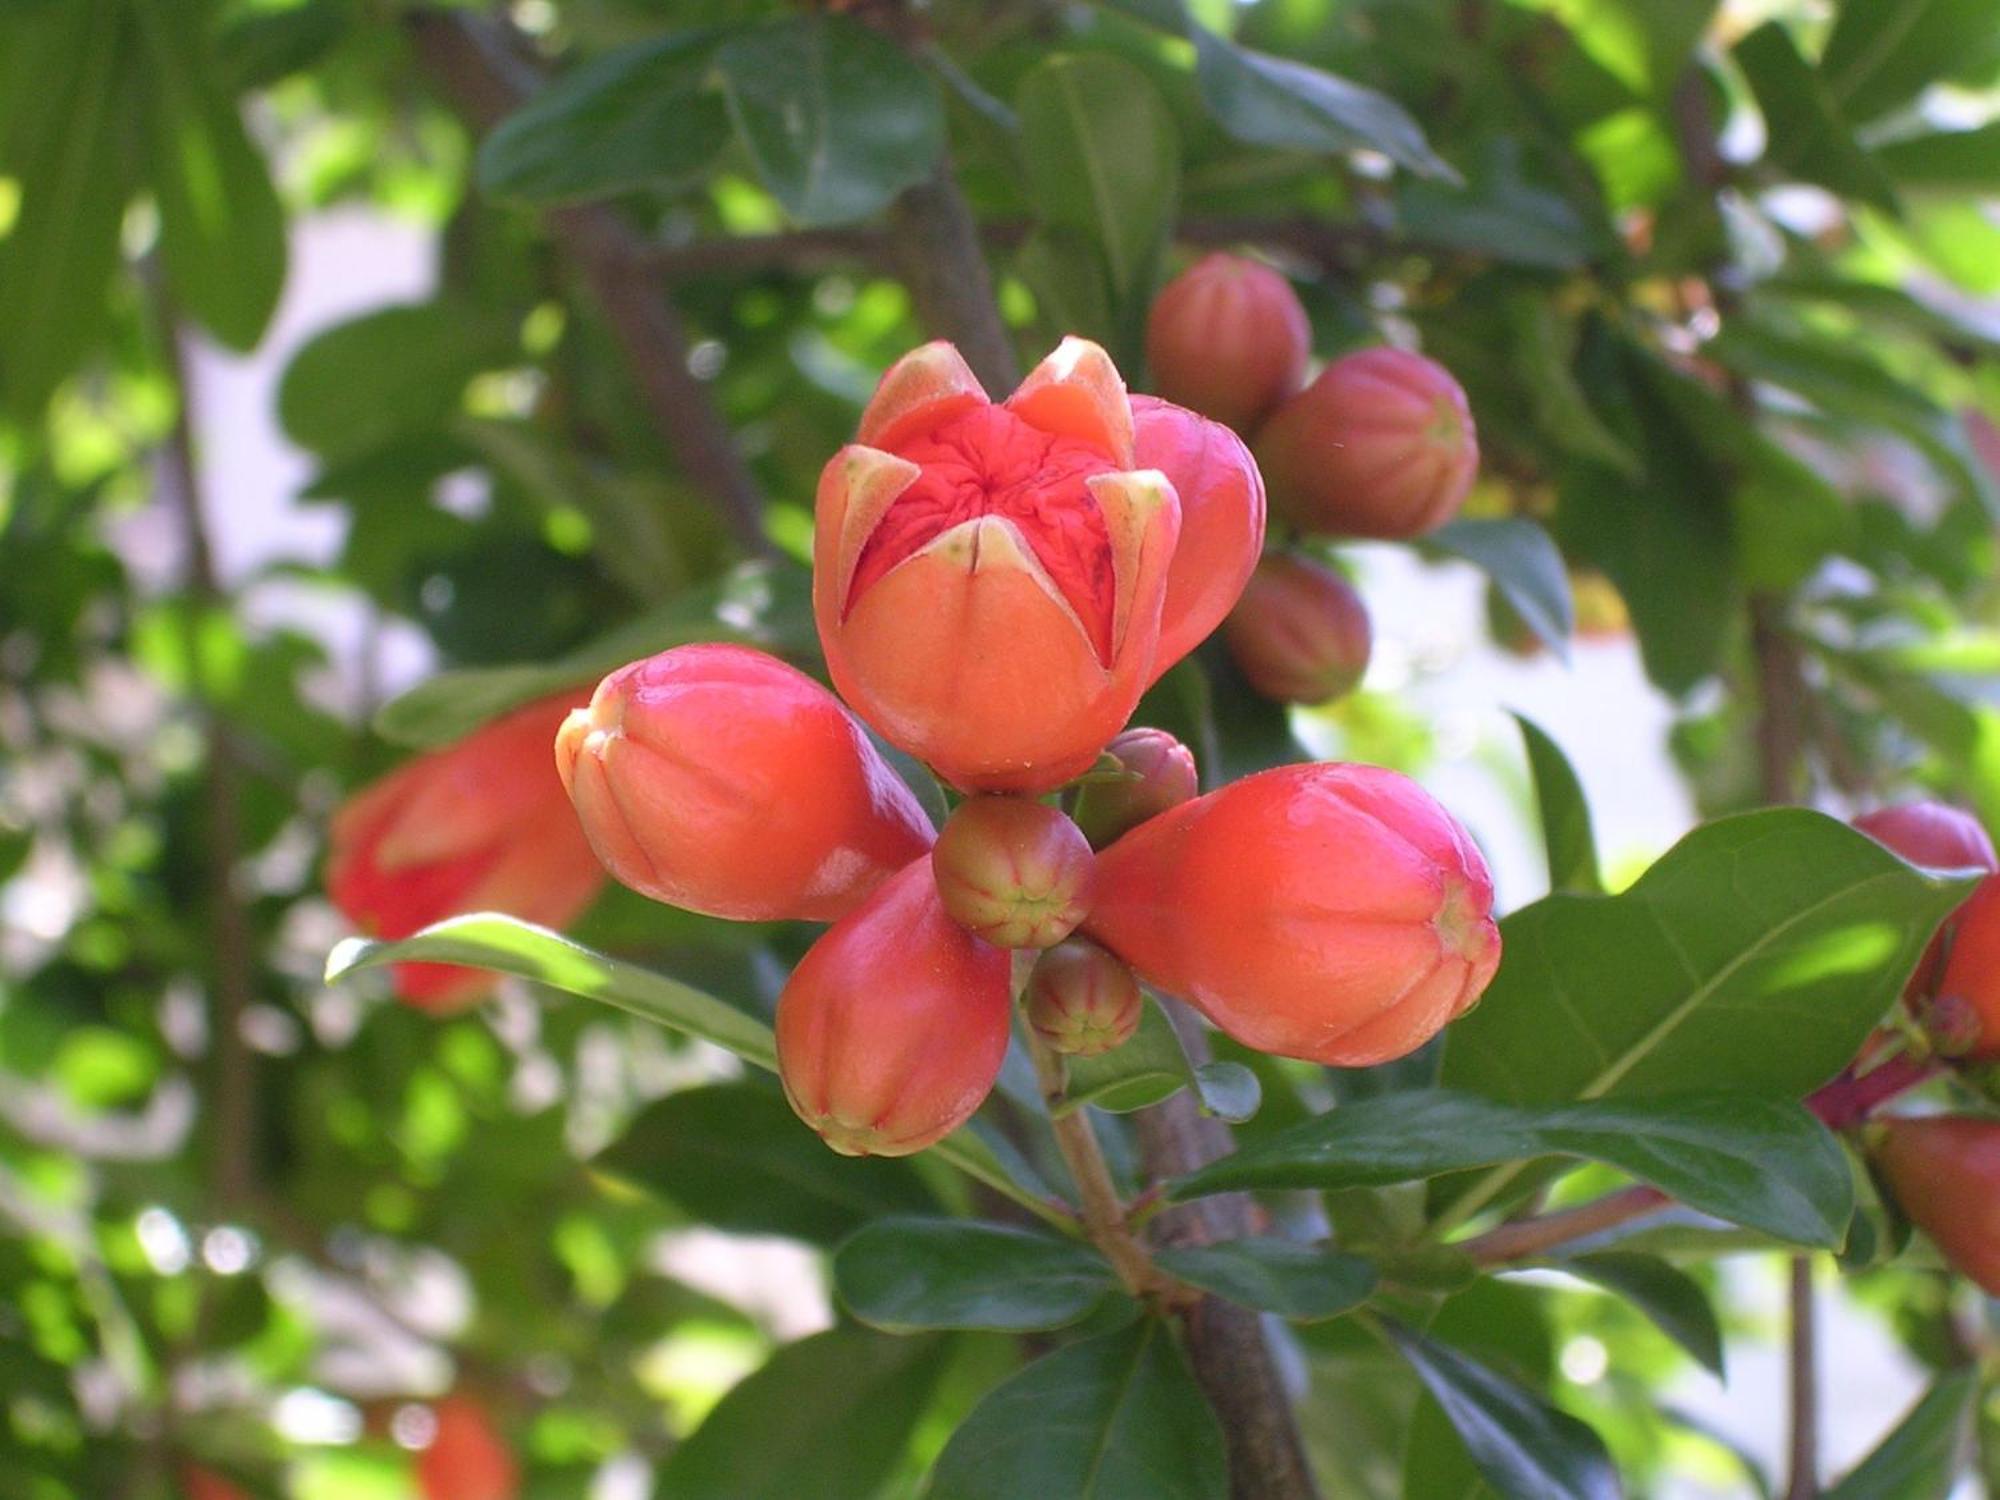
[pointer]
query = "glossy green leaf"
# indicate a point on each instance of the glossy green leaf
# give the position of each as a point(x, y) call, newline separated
point(1524, 564)
point(1762, 1162)
point(1526, 1449)
point(836, 116)
point(1756, 954)
point(1882, 53)
point(830, 1416)
point(222, 229)
point(1672, 1299)
point(1150, 1067)
point(1807, 136)
point(1303, 1282)
point(642, 116)
point(1567, 838)
point(1099, 150)
point(1922, 1458)
point(733, 1155)
point(1116, 1417)
point(905, 1274)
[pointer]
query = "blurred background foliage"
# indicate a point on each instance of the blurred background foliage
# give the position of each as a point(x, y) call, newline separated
point(1720, 282)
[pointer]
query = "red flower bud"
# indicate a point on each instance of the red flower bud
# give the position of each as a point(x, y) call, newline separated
point(1972, 971)
point(1381, 444)
point(1300, 633)
point(1014, 873)
point(1222, 519)
point(1228, 337)
point(719, 779)
point(892, 1028)
point(1939, 837)
point(1329, 912)
point(1945, 1172)
point(467, 1459)
point(481, 825)
point(198, 1483)
point(1081, 1000)
point(987, 580)
point(1155, 772)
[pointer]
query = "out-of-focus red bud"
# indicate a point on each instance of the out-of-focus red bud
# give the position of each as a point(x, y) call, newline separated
point(1228, 337)
point(198, 1483)
point(1381, 444)
point(1329, 912)
point(467, 1459)
point(892, 1028)
point(1945, 1172)
point(1082, 1000)
point(719, 779)
point(1222, 519)
point(1014, 873)
point(1985, 438)
point(1300, 633)
point(1972, 969)
point(481, 825)
point(1154, 770)
point(988, 580)
point(1939, 837)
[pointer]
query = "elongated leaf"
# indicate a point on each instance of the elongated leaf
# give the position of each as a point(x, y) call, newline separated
point(1099, 150)
point(640, 116)
point(1525, 566)
point(1526, 1449)
point(1928, 1450)
point(1117, 1417)
point(1302, 1282)
point(906, 1274)
point(732, 1155)
point(1808, 138)
point(222, 229)
point(829, 1417)
point(1756, 954)
point(1565, 817)
point(1766, 1163)
point(1882, 53)
point(1674, 1300)
point(1963, 161)
point(837, 117)
point(1152, 1066)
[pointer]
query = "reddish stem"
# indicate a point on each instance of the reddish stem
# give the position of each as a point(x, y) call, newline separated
point(1852, 1097)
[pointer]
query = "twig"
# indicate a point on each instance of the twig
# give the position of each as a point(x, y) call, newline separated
point(1853, 1096)
point(1781, 693)
point(1804, 1453)
point(479, 67)
point(1524, 1238)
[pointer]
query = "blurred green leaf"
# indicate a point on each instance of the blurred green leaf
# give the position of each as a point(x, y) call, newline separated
point(1923, 1457)
point(1672, 1299)
point(1524, 564)
point(1883, 52)
point(1806, 137)
point(1567, 839)
point(906, 1274)
point(1956, 161)
point(1302, 1282)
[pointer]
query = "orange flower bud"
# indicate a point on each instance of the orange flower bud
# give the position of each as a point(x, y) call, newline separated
point(467, 1459)
point(481, 825)
point(1155, 771)
point(1970, 988)
point(1222, 519)
point(1228, 337)
point(988, 579)
point(1945, 1172)
point(1329, 912)
point(892, 1028)
point(1013, 873)
point(1381, 444)
point(1940, 837)
point(719, 779)
point(1081, 1000)
point(1300, 633)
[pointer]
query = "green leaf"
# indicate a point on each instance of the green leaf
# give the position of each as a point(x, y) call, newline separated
point(1882, 53)
point(1228, 1090)
point(756, 603)
point(1526, 1449)
point(1671, 1298)
point(1806, 136)
point(1117, 1417)
point(1565, 817)
point(1502, 214)
point(68, 154)
point(837, 118)
point(642, 116)
point(1756, 954)
point(222, 229)
point(1099, 150)
point(830, 1416)
point(1306, 1283)
point(1518, 555)
point(1543, 347)
point(1766, 1163)
point(1952, 161)
point(901, 1275)
point(1923, 1457)
point(732, 1155)
point(1150, 1067)
point(387, 374)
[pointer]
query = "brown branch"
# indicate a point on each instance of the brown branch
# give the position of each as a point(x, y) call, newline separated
point(1522, 1239)
point(937, 244)
point(1804, 1392)
point(479, 66)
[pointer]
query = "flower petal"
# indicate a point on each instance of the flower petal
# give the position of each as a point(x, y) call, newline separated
point(1078, 393)
point(921, 389)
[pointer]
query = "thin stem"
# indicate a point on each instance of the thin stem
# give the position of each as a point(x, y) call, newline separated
point(1853, 1096)
point(1526, 1238)
point(1804, 1483)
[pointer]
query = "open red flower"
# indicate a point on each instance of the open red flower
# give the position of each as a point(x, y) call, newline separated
point(481, 825)
point(988, 579)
